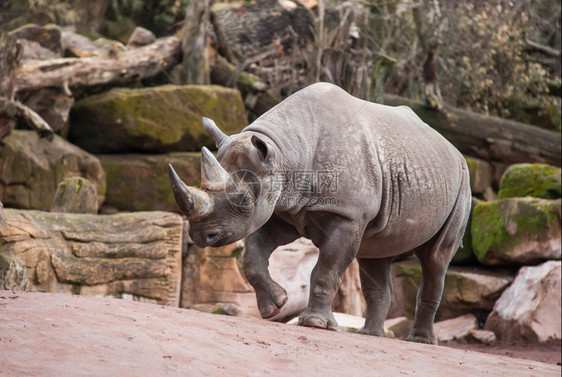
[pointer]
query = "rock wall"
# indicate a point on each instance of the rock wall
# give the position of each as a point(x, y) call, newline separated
point(31, 167)
point(135, 255)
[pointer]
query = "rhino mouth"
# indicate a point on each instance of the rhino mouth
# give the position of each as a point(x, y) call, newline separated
point(213, 239)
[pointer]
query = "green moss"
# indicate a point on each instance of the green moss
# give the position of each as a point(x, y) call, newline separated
point(531, 218)
point(414, 271)
point(157, 119)
point(498, 226)
point(487, 228)
point(536, 180)
point(114, 175)
point(237, 253)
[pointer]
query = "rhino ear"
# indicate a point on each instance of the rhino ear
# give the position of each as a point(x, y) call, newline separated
point(261, 146)
point(212, 130)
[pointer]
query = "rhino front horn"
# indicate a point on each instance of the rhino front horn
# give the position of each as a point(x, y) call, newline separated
point(213, 175)
point(192, 202)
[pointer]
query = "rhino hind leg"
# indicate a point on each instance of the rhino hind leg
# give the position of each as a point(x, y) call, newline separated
point(434, 257)
point(376, 284)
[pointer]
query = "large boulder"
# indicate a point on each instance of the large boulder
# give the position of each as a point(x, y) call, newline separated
point(156, 120)
point(516, 231)
point(530, 308)
point(129, 255)
point(467, 290)
point(139, 182)
point(536, 180)
point(31, 168)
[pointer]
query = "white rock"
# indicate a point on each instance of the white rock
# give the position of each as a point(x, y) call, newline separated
point(290, 266)
point(481, 336)
point(399, 326)
point(352, 323)
point(530, 308)
point(455, 328)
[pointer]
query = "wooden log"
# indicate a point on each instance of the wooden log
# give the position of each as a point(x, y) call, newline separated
point(116, 68)
point(270, 24)
point(195, 62)
point(488, 138)
point(547, 50)
point(256, 99)
point(136, 254)
point(12, 110)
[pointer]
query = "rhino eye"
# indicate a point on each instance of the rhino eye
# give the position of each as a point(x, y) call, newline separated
point(248, 199)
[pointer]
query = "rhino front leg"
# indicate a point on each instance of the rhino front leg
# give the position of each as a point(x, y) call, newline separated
point(336, 254)
point(255, 262)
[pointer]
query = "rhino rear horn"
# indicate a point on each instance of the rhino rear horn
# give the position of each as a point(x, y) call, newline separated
point(192, 202)
point(212, 130)
point(213, 175)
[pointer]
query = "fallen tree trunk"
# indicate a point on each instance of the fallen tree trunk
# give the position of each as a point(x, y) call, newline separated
point(136, 254)
point(486, 137)
point(118, 67)
point(256, 99)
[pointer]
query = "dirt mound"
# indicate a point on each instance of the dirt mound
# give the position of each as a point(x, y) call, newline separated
point(62, 335)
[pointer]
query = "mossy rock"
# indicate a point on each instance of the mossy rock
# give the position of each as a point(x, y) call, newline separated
point(31, 168)
point(516, 231)
point(481, 174)
point(76, 195)
point(155, 120)
point(536, 180)
point(465, 254)
point(138, 182)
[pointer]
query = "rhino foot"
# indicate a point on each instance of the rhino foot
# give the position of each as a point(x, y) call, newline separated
point(270, 302)
point(366, 331)
point(319, 320)
point(422, 339)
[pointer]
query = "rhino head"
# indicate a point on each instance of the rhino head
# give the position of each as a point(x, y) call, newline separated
point(234, 200)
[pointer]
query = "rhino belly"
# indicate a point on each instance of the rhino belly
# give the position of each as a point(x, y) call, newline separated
point(402, 233)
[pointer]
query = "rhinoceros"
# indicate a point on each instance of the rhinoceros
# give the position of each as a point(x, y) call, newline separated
point(359, 179)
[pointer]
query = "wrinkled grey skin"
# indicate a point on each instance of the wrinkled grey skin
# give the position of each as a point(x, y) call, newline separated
point(400, 187)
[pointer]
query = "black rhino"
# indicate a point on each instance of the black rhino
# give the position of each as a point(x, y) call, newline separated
point(359, 179)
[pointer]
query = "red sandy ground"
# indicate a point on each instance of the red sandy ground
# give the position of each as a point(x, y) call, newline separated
point(44, 334)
